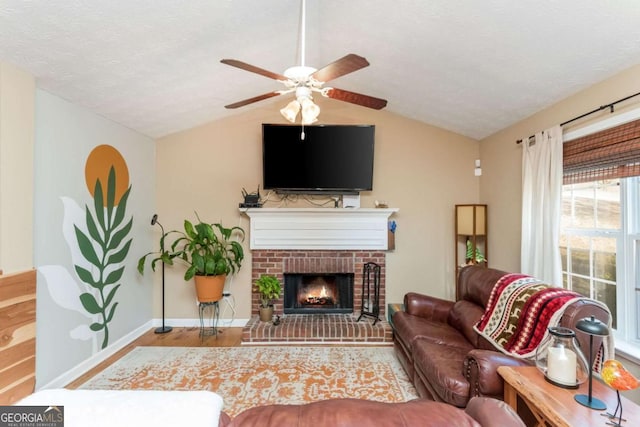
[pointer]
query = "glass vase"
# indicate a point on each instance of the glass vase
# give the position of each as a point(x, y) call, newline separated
point(560, 359)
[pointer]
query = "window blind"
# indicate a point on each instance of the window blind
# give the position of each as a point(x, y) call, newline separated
point(607, 154)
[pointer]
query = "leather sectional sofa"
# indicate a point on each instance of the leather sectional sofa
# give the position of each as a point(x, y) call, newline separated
point(481, 412)
point(445, 357)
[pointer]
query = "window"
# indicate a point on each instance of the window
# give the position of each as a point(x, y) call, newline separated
point(600, 248)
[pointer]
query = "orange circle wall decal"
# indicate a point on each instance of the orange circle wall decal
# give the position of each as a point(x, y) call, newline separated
point(99, 163)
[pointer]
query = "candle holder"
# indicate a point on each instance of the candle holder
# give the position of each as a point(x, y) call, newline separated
point(560, 360)
point(591, 326)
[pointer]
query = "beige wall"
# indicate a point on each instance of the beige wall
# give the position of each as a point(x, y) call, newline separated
point(502, 168)
point(500, 185)
point(17, 124)
point(422, 170)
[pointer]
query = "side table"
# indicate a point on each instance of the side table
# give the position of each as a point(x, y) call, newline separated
point(555, 406)
point(214, 308)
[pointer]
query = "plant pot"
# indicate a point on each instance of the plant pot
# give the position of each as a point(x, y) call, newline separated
point(209, 288)
point(266, 314)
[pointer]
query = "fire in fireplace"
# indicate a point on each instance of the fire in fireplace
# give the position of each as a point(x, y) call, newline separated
point(318, 293)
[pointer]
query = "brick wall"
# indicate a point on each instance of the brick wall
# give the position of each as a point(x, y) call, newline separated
point(278, 262)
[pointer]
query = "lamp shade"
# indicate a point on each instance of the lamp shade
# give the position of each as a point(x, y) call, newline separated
point(310, 111)
point(291, 111)
point(471, 220)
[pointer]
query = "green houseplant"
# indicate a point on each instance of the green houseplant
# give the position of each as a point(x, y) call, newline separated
point(208, 251)
point(268, 288)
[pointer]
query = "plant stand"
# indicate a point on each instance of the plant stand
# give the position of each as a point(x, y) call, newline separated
point(214, 316)
point(370, 291)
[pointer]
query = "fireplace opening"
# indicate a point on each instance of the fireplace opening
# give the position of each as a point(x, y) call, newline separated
point(318, 293)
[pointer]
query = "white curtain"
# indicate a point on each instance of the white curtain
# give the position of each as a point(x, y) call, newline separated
point(541, 205)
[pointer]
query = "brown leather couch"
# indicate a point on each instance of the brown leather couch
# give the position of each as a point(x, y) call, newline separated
point(481, 412)
point(446, 359)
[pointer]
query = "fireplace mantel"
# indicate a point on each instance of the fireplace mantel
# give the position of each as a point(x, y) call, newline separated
point(319, 228)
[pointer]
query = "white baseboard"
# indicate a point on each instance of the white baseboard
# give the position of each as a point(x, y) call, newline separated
point(65, 378)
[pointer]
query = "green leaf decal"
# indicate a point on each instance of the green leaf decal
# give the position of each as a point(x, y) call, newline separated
point(122, 207)
point(98, 204)
point(87, 248)
point(114, 276)
point(111, 295)
point(111, 192)
point(90, 304)
point(92, 228)
point(120, 255)
point(117, 238)
point(86, 276)
point(111, 312)
point(97, 327)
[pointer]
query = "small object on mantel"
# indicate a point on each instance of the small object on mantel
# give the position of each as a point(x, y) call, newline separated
point(382, 204)
point(251, 200)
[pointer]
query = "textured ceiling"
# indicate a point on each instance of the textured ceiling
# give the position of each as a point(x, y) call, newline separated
point(473, 67)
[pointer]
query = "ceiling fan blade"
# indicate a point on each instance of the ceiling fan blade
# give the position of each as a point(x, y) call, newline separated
point(253, 69)
point(357, 98)
point(345, 65)
point(252, 100)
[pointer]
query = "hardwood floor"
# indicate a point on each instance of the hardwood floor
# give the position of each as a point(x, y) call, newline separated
point(178, 337)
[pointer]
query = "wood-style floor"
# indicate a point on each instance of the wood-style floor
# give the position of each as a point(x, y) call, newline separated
point(178, 337)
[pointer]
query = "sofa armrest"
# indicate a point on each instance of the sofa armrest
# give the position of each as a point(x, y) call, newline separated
point(492, 412)
point(426, 306)
point(481, 370)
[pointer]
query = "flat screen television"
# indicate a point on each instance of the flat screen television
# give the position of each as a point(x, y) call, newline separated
point(332, 159)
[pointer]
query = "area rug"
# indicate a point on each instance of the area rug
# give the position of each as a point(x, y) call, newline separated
point(252, 376)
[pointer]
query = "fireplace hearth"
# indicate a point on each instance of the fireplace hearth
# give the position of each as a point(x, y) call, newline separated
point(318, 293)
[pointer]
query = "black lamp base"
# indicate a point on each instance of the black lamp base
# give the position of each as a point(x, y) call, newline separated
point(596, 404)
point(163, 329)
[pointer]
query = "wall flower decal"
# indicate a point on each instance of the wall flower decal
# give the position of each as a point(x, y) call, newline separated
point(103, 241)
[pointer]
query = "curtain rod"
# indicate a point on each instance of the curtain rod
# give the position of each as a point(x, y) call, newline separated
point(602, 107)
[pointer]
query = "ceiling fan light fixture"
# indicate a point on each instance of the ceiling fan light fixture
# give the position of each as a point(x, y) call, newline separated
point(310, 111)
point(305, 80)
point(290, 112)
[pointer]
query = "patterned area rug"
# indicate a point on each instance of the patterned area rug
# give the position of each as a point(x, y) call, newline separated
point(252, 376)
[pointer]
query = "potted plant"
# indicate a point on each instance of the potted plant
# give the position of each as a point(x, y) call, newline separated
point(269, 288)
point(209, 253)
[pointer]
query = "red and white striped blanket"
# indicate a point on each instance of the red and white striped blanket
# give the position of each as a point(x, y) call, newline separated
point(519, 312)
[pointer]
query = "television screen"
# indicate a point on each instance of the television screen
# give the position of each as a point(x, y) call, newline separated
point(335, 159)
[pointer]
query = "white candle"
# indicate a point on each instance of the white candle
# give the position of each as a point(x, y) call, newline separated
point(561, 365)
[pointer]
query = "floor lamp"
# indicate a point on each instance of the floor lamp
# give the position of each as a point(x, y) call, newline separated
point(163, 329)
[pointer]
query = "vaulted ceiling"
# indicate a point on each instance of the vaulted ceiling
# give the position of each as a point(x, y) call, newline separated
point(473, 67)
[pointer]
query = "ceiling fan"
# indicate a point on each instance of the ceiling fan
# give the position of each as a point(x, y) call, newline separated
point(304, 81)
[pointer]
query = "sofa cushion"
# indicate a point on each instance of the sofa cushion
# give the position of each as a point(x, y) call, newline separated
point(409, 328)
point(440, 366)
point(463, 316)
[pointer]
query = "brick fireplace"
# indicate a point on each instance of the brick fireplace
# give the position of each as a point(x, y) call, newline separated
point(321, 242)
point(279, 262)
